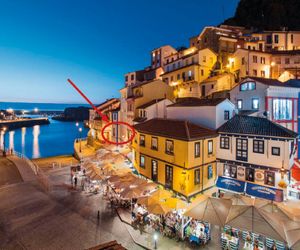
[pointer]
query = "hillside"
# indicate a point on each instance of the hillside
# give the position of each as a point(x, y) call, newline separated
point(267, 14)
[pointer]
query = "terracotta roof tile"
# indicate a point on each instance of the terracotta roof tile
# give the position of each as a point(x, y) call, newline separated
point(177, 129)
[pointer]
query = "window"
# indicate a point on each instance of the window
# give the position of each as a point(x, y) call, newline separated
point(178, 65)
point(210, 147)
point(278, 60)
point(126, 78)
point(132, 77)
point(276, 38)
point(142, 140)
point(169, 147)
point(263, 73)
point(287, 60)
point(243, 60)
point(202, 72)
point(204, 58)
point(183, 76)
point(115, 116)
point(172, 78)
point(226, 115)
point(241, 149)
point(269, 39)
point(114, 132)
point(154, 143)
point(282, 109)
point(292, 38)
point(178, 76)
point(169, 177)
point(258, 146)
point(196, 176)
point(142, 161)
point(224, 142)
point(197, 149)
point(190, 74)
point(263, 60)
point(210, 172)
point(239, 104)
point(270, 178)
point(255, 72)
point(275, 151)
point(230, 170)
point(154, 170)
point(254, 59)
point(255, 103)
point(247, 86)
point(249, 174)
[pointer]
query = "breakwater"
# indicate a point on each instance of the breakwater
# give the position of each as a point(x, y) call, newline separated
point(20, 123)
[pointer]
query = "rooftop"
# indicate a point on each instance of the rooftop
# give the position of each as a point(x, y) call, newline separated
point(249, 125)
point(196, 102)
point(148, 104)
point(176, 129)
point(274, 82)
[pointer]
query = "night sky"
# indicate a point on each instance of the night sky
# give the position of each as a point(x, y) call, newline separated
point(93, 42)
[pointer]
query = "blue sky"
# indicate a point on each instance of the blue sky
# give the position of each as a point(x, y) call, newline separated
point(93, 42)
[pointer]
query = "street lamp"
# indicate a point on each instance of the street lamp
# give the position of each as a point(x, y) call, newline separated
point(155, 240)
point(80, 130)
point(4, 130)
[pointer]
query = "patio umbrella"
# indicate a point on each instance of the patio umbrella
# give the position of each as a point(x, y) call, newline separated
point(158, 208)
point(118, 158)
point(210, 209)
point(130, 193)
point(175, 203)
point(252, 218)
point(97, 178)
point(292, 232)
point(161, 194)
point(291, 209)
point(148, 187)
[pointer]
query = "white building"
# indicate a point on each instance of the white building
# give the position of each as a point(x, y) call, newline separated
point(211, 113)
point(254, 156)
point(156, 108)
point(269, 98)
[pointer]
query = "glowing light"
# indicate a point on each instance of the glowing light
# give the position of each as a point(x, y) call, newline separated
point(11, 139)
point(231, 59)
point(36, 147)
point(77, 124)
point(10, 110)
point(273, 64)
point(80, 129)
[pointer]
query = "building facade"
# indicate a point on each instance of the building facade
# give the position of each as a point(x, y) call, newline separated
point(258, 152)
point(176, 154)
point(210, 113)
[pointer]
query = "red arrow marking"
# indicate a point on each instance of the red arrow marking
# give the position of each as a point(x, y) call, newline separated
point(103, 117)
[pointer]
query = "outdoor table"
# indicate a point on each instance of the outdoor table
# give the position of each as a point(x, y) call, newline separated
point(229, 238)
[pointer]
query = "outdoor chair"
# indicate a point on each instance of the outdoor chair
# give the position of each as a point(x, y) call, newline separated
point(269, 243)
point(244, 235)
point(255, 236)
point(224, 243)
point(261, 244)
point(280, 245)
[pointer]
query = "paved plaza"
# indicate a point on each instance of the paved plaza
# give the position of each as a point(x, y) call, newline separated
point(62, 219)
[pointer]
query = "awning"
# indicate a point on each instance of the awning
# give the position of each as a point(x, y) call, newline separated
point(230, 184)
point(264, 192)
point(295, 172)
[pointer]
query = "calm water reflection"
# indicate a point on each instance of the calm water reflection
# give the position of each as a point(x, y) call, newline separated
point(57, 138)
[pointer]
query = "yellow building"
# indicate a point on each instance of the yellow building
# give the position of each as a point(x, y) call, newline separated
point(185, 71)
point(177, 154)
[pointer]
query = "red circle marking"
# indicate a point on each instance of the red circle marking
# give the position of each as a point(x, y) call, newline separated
point(118, 123)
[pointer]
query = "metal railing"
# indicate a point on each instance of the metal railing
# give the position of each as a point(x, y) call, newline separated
point(41, 176)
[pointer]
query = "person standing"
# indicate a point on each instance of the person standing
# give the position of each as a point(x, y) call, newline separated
point(75, 181)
